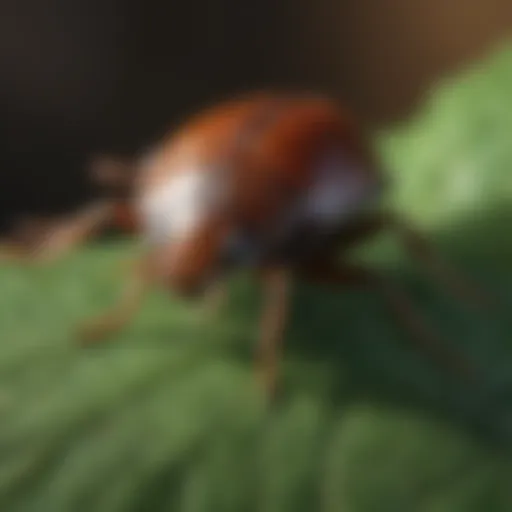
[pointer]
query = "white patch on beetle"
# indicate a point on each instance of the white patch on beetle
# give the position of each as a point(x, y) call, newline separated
point(176, 208)
point(337, 194)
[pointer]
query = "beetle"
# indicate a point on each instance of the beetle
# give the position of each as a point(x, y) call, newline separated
point(283, 184)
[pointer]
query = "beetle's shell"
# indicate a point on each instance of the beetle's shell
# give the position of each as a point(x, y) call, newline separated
point(270, 169)
point(283, 154)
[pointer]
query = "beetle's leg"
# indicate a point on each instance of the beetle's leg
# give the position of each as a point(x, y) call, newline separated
point(151, 268)
point(276, 297)
point(399, 304)
point(74, 230)
point(422, 251)
point(122, 313)
point(45, 242)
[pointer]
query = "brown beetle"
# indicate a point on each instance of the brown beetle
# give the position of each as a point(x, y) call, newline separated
point(282, 184)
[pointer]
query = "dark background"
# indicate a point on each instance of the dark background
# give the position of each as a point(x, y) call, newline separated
point(80, 76)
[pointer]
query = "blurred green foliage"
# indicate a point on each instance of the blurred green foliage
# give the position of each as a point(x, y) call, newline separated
point(453, 159)
point(166, 417)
